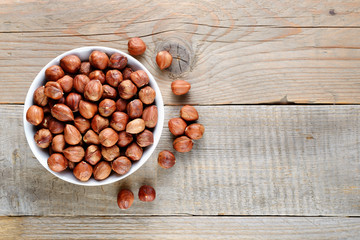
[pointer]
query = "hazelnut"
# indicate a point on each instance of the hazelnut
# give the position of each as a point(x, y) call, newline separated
point(124, 139)
point(127, 89)
point(93, 154)
point(134, 109)
point(177, 126)
point(119, 120)
point(72, 135)
point(70, 63)
point(40, 98)
point(166, 159)
point(45, 122)
point(98, 123)
point(83, 171)
point(53, 90)
point(56, 126)
point(66, 83)
point(140, 78)
point(91, 137)
point(180, 87)
point(136, 46)
point(85, 68)
point(144, 139)
point(109, 92)
point(97, 75)
point(163, 59)
point(147, 193)
point(62, 112)
point(71, 165)
point(118, 61)
point(126, 73)
point(43, 138)
point(108, 137)
point(125, 199)
point(54, 73)
point(183, 144)
point(47, 109)
point(102, 170)
point(134, 152)
point(82, 124)
point(35, 115)
point(80, 82)
point(110, 153)
point(58, 143)
point(135, 126)
point(107, 107)
point(147, 95)
point(121, 165)
point(195, 131)
point(114, 78)
point(93, 91)
point(121, 105)
point(61, 100)
point(72, 101)
point(99, 60)
point(189, 113)
point(150, 116)
point(74, 153)
point(87, 109)
point(57, 162)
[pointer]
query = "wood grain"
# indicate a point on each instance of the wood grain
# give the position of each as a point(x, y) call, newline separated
point(239, 52)
point(253, 160)
point(179, 228)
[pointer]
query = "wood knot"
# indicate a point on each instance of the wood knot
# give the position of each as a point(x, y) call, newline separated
point(181, 52)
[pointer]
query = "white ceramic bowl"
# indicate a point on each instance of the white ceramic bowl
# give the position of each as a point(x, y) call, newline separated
point(42, 155)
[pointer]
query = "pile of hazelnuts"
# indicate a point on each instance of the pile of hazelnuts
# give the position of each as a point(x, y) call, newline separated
point(95, 116)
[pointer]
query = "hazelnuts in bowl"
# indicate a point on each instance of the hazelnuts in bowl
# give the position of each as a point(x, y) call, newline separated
point(93, 115)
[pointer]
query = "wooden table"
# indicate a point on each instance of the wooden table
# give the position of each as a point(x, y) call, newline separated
point(277, 86)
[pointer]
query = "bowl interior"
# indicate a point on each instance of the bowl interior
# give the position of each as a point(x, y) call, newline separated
point(42, 155)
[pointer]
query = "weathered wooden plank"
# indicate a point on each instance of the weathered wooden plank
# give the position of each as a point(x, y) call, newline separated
point(179, 228)
point(239, 52)
point(253, 160)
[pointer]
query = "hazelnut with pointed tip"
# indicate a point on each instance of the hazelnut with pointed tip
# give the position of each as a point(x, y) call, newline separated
point(57, 162)
point(147, 193)
point(99, 60)
point(121, 165)
point(43, 138)
point(83, 171)
point(183, 144)
point(166, 159)
point(180, 87)
point(53, 73)
point(35, 115)
point(40, 98)
point(53, 90)
point(136, 46)
point(70, 63)
point(125, 199)
point(102, 170)
point(163, 59)
point(108, 137)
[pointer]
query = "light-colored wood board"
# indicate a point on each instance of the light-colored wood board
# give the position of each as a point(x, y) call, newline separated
point(179, 228)
point(253, 160)
point(241, 52)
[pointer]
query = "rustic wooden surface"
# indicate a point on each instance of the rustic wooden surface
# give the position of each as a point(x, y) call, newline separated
point(260, 172)
point(179, 228)
point(243, 52)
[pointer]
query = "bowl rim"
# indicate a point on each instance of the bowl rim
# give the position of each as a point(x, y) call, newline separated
point(40, 78)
